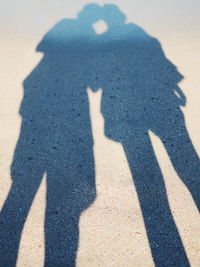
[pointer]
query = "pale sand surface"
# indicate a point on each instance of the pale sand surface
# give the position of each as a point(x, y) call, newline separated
point(112, 231)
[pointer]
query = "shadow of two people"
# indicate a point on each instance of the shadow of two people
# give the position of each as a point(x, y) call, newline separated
point(140, 93)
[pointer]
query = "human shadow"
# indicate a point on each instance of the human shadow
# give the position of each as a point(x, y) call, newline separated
point(140, 93)
point(55, 140)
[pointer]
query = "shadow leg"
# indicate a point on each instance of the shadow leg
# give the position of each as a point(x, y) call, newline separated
point(61, 223)
point(184, 158)
point(166, 245)
point(13, 217)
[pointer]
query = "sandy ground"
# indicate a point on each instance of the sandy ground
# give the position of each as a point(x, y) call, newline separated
point(112, 230)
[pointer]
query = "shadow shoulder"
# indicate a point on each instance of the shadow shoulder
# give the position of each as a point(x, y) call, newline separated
point(138, 32)
point(59, 31)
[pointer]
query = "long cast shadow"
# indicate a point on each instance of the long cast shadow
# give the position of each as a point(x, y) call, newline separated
point(55, 139)
point(140, 93)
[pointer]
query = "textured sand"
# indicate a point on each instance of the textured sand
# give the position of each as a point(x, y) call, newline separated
point(112, 231)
